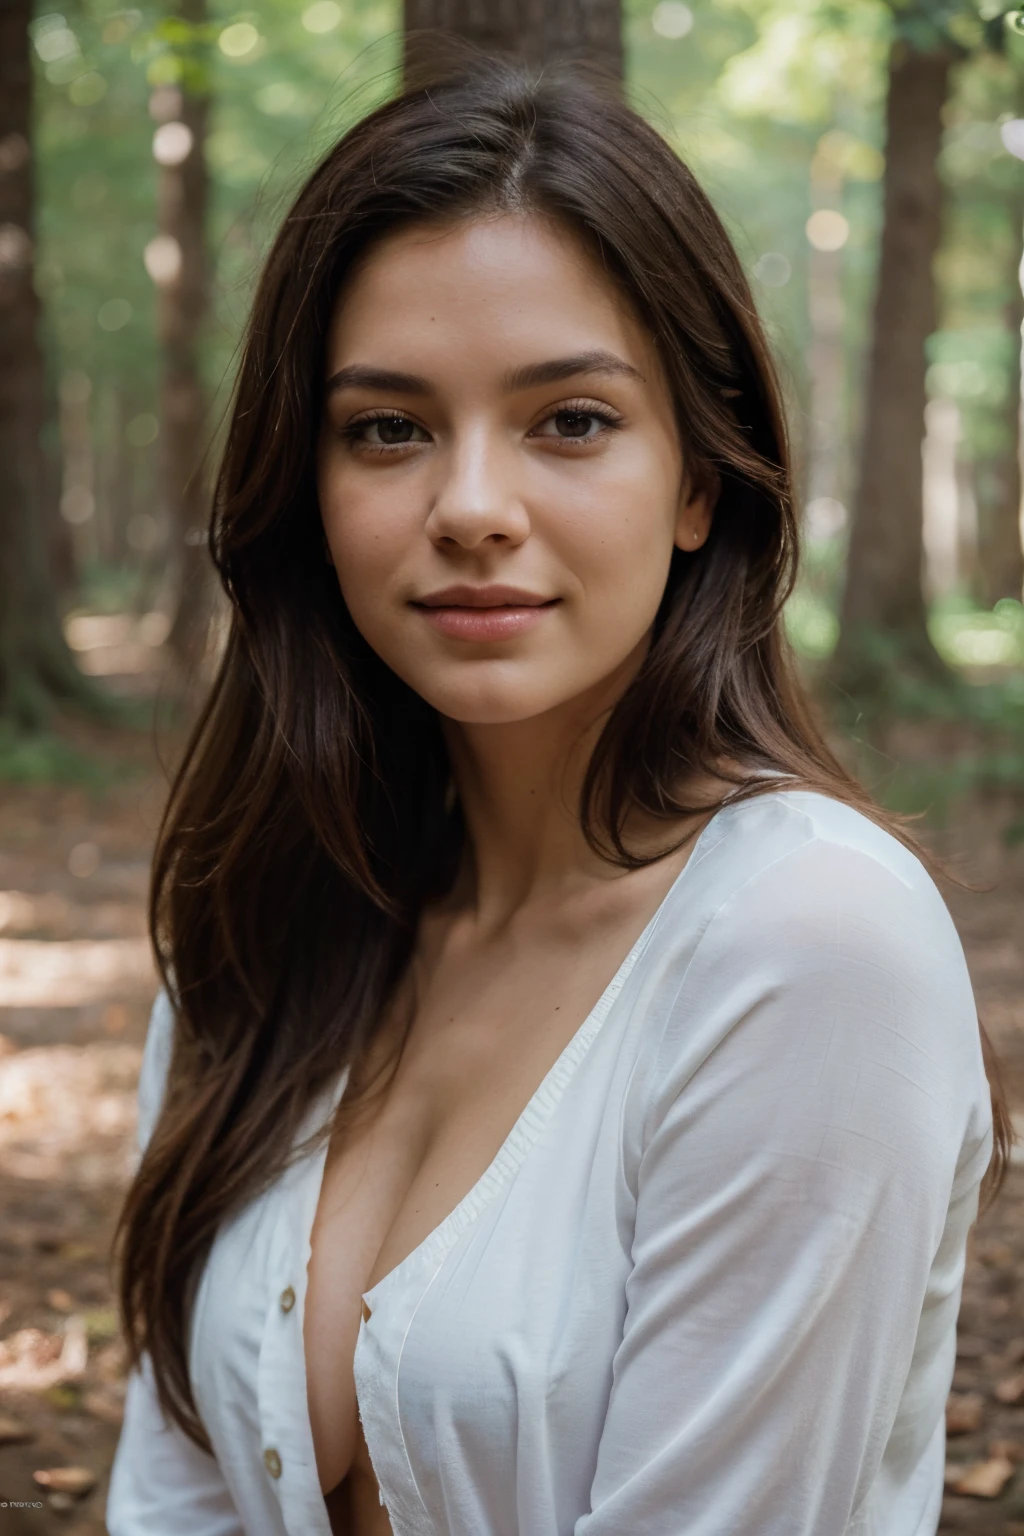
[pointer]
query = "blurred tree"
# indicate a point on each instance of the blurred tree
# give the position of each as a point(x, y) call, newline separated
point(883, 615)
point(36, 667)
point(534, 29)
point(178, 263)
point(883, 621)
point(998, 479)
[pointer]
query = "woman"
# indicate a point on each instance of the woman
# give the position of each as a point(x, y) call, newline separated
point(566, 1110)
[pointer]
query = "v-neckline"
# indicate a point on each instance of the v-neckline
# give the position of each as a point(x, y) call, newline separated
point(531, 1121)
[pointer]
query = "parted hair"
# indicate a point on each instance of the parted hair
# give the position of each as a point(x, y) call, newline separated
point(312, 816)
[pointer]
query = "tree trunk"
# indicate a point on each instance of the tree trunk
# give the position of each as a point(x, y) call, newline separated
point(181, 272)
point(537, 30)
point(36, 667)
point(998, 480)
point(883, 611)
point(825, 359)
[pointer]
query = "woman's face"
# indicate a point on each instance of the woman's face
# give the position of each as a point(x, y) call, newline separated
point(500, 475)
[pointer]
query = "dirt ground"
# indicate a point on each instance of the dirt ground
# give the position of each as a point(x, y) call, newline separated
point(76, 983)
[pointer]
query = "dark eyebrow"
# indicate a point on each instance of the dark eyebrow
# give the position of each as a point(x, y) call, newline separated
point(559, 368)
point(387, 381)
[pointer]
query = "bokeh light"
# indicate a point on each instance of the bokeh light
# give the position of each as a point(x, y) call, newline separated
point(672, 19)
point(238, 40)
point(827, 229)
point(322, 17)
point(773, 269)
point(162, 259)
point(114, 315)
point(172, 143)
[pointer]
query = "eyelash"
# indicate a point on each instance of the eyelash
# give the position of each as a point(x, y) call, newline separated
point(351, 431)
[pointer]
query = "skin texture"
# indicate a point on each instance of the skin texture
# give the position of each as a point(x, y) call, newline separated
point(488, 488)
point(576, 490)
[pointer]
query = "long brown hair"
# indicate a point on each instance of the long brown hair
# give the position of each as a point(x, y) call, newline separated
point(311, 818)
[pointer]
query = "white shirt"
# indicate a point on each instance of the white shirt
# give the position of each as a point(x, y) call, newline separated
point(709, 1284)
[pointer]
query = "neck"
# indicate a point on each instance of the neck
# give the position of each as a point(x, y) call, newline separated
point(519, 784)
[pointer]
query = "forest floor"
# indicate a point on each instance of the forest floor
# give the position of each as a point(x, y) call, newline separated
point(76, 983)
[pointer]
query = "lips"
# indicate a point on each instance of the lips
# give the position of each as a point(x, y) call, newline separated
point(484, 613)
point(492, 596)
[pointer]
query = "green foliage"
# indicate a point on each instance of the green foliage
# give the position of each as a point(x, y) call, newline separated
point(278, 103)
point(760, 96)
point(44, 757)
point(967, 636)
point(751, 90)
point(926, 747)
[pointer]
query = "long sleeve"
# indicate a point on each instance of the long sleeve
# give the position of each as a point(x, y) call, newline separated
point(803, 1189)
point(161, 1483)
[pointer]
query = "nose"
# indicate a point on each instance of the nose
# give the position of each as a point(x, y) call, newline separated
point(477, 499)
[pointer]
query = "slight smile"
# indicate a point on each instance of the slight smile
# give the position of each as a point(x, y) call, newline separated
point(483, 613)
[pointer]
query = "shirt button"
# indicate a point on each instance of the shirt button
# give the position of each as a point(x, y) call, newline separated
point(272, 1461)
point(287, 1299)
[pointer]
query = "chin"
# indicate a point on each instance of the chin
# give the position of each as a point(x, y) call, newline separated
point(495, 702)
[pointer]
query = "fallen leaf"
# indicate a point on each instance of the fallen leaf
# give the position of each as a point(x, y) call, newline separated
point(101, 1325)
point(104, 1404)
point(73, 1480)
point(65, 1397)
point(1011, 1389)
point(985, 1479)
point(993, 1253)
point(964, 1412)
point(1012, 1450)
point(72, 1253)
point(13, 1431)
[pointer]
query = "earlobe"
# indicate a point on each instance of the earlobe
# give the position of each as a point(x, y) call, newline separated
point(694, 522)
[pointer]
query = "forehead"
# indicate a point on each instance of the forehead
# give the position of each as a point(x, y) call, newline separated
point(504, 282)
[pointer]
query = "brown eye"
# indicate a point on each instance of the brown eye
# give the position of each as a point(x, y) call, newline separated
point(574, 423)
point(381, 432)
point(581, 423)
point(393, 429)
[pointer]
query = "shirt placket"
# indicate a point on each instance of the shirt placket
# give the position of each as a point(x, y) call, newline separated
point(289, 1459)
point(383, 1331)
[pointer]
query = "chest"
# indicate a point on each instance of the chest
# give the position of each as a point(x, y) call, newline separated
point(482, 1038)
point(485, 1034)
point(501, 1323)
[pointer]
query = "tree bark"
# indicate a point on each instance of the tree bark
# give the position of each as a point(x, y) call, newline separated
point(36, 667)
point(825, 359)
point(536, 30)
point(883, 618)
point(182, 309)
point(998, 481)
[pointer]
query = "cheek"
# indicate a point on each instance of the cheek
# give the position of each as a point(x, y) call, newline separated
point(621, 531)
point(363, 529)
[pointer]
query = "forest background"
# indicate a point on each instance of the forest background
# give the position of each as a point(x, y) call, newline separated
point(166, 147)
point(868, 159)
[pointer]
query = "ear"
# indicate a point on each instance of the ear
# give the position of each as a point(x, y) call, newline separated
point(696, 510)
